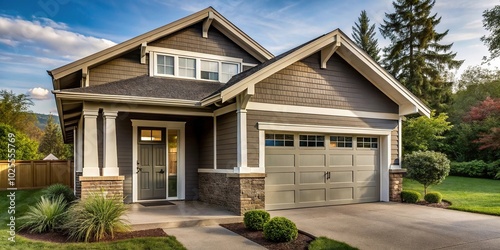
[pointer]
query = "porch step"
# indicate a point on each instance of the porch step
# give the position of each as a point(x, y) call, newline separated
point(198, 222)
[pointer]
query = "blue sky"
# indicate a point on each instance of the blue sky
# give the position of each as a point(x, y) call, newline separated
point(40, 35)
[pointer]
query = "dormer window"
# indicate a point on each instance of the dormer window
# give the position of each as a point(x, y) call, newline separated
point(186, 64)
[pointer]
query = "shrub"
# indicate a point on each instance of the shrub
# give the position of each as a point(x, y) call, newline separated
point(433, 197)
point(46, 216)
point(427, 167)
point(410, 196)
point(255, 219)
point(476, 168)
point(96, 218)
point(280, 229)
point(58, 189)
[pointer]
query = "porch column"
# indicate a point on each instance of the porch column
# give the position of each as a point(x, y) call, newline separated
point(110, 155)
point(241, 139)
point(90, 155)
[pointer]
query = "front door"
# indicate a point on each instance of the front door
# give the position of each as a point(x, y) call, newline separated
point(152, 171)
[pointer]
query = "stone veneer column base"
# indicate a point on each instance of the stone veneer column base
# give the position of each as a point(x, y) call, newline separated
point(396, 184)
point(112, 186)
point(235, 192)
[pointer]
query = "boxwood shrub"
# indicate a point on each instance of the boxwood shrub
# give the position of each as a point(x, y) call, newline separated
point(255, 219)
point(433, 197)
point(280, 229)
point(410, 196)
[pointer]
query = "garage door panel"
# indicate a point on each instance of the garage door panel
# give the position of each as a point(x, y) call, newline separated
point(312, 160)
point(296, 177)
point(280, 178)
point(346, 193)
point(342, 177)
point(312, 177)
point(280, 197)
point(367, 193)
point(341, 160)
point(366, 176)
point(312, 195)
point(280, 160)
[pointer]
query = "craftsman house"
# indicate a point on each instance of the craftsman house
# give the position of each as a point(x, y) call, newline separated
point(198, 110)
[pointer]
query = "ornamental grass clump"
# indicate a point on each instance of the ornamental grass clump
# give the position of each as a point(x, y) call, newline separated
point(58, 189)
point(96, 218)
point(46, 216)
point(255, 219)
point(280, 229)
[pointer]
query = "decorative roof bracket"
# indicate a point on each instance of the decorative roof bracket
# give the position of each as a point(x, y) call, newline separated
point(328, 51)
point(207, 23)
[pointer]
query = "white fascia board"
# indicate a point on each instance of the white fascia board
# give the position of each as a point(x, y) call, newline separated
point(321, 129)
point(125, 99)
point(295, 56)
point(319, 111)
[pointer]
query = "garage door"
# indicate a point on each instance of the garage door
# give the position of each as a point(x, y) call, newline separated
point(307, 170)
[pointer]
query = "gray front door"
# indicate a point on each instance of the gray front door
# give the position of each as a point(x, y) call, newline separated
point(152, 173)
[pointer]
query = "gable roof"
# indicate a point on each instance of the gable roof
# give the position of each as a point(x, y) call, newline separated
point(218, 21)
point(333, 42)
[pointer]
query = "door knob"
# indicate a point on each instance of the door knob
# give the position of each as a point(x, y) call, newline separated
point(138, 170)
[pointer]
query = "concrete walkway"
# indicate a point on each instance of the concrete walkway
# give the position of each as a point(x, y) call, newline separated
point(398, 226)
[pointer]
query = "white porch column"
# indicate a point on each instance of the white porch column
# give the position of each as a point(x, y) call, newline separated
point(90, 155)
point(110, 155)
point(241, 139)
point(79, 147)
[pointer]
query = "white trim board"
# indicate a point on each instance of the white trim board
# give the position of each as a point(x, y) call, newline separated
point(319, 111)
point(181, 183)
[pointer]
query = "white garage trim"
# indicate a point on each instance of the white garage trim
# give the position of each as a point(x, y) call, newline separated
point(385, 144)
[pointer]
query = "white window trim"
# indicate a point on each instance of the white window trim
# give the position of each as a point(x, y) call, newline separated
point(154, 51)
point(181, 184)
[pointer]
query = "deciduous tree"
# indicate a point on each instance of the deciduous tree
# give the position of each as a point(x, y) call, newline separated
point(491, 22)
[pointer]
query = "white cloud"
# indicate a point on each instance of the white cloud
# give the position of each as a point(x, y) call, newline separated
point(39, 93)
point(50, 38)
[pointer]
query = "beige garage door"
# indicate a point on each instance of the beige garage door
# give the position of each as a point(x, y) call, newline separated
point(307, 170)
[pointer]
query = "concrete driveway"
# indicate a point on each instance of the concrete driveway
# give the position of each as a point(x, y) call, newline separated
point(398, 226)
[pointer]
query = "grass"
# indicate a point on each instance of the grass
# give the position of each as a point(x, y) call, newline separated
point(322, 243)
point(466, 194)
point(25, 198)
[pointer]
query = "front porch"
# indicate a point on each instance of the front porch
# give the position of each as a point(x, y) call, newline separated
point(180, 214)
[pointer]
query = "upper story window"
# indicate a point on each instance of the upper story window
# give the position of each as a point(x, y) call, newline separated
point(186, 64)
point(165, 65)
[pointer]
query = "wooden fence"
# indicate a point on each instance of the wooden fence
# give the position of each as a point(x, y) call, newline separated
point(37, 174)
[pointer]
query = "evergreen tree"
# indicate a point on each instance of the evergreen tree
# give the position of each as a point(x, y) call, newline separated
point(364, 36)
point(415, 56)
point(52, 141)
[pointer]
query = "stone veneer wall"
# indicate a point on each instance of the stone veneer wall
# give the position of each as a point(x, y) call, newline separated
point(236, 192)
point(396, 184)
point(110, 185)
point(78, 185)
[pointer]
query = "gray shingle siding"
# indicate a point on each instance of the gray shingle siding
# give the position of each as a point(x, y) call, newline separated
point(339, 86)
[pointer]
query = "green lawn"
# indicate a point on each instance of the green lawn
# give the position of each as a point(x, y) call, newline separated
point(466, 194)
point(322, 243)
point(24, 198)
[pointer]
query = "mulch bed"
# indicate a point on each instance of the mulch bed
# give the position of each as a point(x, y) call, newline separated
point(302, 241)
point(60, 238)
point(442, 204)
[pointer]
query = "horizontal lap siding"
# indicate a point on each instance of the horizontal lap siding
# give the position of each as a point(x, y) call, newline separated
point(339, 86)
point(253, 117)
point(124, 151)
point(190, 39)
point(226, 141)
point(124, 67)
point(206, 143)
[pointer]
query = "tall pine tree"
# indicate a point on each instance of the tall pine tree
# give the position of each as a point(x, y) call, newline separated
point(52, 141)
point(415, 56)
point(364, 36)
